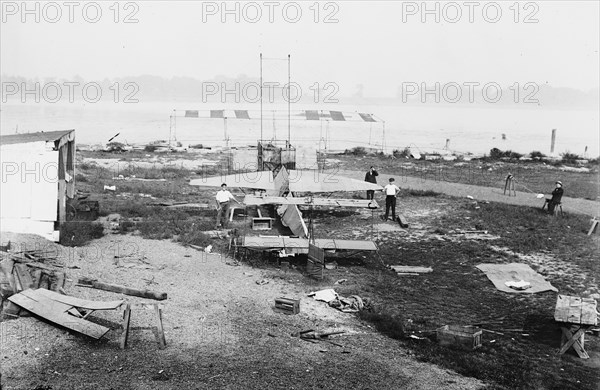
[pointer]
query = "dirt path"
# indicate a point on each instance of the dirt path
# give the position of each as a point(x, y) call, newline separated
point(220, 328)
point(571, 205)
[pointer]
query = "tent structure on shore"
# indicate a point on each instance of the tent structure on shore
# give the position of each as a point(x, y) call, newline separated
point(37, 181)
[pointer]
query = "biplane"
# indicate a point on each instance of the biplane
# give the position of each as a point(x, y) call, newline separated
point(289, 189)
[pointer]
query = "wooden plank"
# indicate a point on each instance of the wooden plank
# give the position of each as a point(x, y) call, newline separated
point(60, 280)
point(36, 276)
point(6, 266)
point(10, 309)
point(80, 303)
point(561, 311)
point(58, 307)
point(574, 313)
point(22, 273)
point(126, 323)
point(411, 269)
point(162, 342)
point(594, 227)
point(85, 282)
point(6, 289)
point(402, 221)
point(47, 309)
point(589, 314)
point(44, 281)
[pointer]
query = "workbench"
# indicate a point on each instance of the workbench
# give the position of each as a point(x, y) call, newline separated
point(576, 315)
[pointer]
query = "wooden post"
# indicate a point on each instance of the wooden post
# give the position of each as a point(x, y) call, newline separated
point(594, 226)
point(126, 322)
point(159, 326)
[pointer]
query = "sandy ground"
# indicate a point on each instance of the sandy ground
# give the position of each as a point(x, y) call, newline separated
point(220, 326)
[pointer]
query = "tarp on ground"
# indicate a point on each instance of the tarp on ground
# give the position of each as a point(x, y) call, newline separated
point(499, 274)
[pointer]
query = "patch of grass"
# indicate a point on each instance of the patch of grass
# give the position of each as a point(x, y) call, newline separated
point(77, 233)
point(384, 323)
point(195, 237)
point(536, 155)
point(456, 292)
point(81, 178)
point(412, 192)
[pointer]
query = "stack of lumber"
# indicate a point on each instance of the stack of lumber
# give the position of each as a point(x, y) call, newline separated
point(24, 270)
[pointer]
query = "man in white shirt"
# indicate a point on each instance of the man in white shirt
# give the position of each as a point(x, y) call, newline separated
point(391, 191)
point(222, 198)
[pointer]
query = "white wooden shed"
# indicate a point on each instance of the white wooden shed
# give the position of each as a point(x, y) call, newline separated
point(37, 178)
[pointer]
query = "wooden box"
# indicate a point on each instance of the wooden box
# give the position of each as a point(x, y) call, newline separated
point(576, 310)
point(261, 223)
point(287, 305)
point(465, 337)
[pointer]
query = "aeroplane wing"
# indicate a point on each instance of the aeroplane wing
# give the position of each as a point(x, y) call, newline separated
point(315, 182)
point(254, 200)
point(262, 180)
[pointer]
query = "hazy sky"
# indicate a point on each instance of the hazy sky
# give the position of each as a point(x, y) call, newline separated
point(370, 43)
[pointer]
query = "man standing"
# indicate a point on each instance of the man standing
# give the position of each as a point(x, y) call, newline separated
point(223, 197)
point(371, 177)
point(556, 198)
point(391, 191)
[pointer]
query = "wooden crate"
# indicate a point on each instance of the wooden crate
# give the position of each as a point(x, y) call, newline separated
point(261, 223)
point(576, 310)
point(287, 305)
point(465, 337)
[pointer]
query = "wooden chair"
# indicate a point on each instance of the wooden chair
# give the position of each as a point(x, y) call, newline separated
point(558, 210)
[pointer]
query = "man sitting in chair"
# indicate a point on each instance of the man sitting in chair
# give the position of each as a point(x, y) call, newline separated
point(556, 198)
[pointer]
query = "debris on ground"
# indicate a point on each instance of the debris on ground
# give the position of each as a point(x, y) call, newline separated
point(520, 285)
point(31, 269)
point(332, 265)
point(327, 295)
point(315, 337)
point(351, 304)
point(132, 261)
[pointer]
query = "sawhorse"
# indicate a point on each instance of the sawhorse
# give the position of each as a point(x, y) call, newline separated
point(573, 336)
point(509, 185)
point(162, 343)
point(576, 315)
